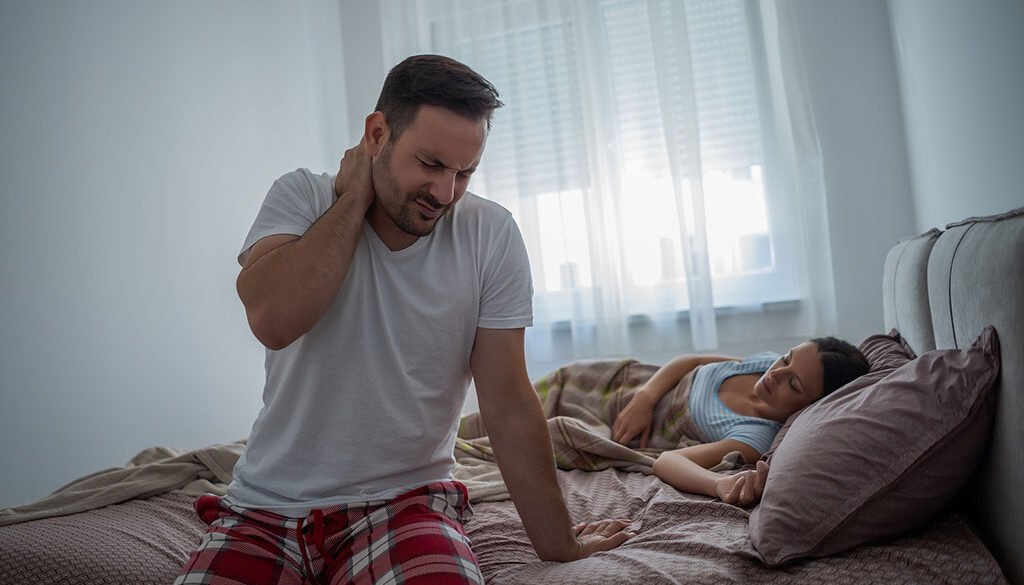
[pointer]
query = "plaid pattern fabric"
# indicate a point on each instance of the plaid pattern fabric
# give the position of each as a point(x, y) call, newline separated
point(581, 401)
point(416, 538)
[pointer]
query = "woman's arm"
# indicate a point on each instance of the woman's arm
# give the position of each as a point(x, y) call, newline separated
point(687, 470)
point(635, 418)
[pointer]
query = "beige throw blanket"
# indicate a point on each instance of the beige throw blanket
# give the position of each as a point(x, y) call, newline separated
point(153, 471)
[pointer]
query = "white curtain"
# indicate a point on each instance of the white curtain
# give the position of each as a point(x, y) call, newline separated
point(660, 158)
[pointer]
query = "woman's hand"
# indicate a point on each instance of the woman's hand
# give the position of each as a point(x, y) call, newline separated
point(635, 419)
point(744, 488)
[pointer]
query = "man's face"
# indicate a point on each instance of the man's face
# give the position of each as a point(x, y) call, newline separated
point(419, 177)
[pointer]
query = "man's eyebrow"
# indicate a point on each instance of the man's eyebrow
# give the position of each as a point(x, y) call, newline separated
point(434, 160)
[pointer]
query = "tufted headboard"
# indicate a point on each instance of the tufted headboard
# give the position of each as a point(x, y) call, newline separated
point(940, 289)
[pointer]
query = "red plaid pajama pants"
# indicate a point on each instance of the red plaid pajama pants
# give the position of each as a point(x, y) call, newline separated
point(416, 538)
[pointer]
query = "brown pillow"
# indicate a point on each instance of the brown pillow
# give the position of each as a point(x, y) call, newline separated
point(880, 455)
point(884, 353)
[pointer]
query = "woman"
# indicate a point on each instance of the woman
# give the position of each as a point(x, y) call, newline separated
point(738, 405)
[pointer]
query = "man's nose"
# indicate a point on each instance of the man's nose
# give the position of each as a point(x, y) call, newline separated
point(443, 189)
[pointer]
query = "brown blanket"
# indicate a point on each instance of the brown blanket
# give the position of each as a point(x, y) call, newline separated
point(581, 401)
point(682, 538)
point(153, 471)
point(686, 538)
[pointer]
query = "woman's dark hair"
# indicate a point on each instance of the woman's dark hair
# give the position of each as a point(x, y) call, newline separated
point(841, 361)
point(434, 80)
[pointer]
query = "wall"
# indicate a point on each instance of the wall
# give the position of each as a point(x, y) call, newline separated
point(138, 142)
point(852, 80)
point(962, 82)
point(364, 61)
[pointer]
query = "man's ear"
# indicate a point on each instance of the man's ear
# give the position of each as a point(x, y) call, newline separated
point(376, 133)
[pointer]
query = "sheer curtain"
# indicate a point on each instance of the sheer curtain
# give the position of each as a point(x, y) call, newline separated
point(660, 159)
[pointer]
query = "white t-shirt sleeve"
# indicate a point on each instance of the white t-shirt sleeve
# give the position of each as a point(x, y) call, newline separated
point(293, 203)
point(506, 298)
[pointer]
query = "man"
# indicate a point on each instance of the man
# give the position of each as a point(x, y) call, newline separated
point(378, 294)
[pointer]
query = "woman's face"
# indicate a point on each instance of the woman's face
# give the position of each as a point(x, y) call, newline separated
point(792, 382)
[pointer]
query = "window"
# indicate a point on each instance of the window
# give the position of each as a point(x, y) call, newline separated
point(632, 153)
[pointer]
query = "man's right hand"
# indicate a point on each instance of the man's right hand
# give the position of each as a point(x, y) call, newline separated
point(288, 281)
point(355, 175)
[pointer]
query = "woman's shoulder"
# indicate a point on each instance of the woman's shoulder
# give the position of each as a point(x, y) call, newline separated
point(761, 356)
point(731, 366)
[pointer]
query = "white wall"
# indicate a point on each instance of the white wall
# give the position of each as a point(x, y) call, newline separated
point(961, 70)
point(364, 61)
point(138, 140)
point(852, 80)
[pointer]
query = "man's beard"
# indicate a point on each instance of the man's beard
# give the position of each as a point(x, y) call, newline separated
point(402, 208)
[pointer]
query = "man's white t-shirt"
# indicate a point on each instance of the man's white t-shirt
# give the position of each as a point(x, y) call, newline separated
point(365, 406)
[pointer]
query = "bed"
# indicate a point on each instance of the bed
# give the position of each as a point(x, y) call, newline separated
point(907, 475)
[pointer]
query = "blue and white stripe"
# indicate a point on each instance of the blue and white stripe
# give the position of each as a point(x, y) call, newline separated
point(714, 419)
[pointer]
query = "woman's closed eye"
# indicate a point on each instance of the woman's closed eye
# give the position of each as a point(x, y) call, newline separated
point(786, 359)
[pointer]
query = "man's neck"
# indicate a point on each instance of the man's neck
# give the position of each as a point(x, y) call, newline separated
point(392, 236)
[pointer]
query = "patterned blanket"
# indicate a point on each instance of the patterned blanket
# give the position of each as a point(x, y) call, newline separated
point(581, 401)
point(683, 538)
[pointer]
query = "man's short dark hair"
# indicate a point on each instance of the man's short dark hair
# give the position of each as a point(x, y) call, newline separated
point(434, 80)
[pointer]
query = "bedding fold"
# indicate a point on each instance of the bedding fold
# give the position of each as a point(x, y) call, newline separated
point(154, 471)
point(581, 401)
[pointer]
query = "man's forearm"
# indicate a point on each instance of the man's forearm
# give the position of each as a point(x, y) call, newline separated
point(522, 446)
point(288, 289)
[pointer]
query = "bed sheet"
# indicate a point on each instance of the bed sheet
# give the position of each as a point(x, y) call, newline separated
point(683, 538)
point(138, 542)
point(686, 538)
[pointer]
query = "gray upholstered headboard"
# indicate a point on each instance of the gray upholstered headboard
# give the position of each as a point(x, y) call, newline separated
point(940, 289)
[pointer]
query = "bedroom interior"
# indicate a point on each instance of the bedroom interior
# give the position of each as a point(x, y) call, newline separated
point(121, 325)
